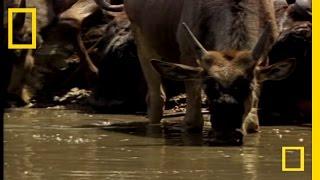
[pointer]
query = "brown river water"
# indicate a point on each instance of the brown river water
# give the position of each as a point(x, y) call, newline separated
point(68, 144)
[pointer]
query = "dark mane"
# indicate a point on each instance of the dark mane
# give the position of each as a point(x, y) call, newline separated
point(241, 16)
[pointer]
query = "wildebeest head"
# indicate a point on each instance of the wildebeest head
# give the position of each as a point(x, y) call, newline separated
point(229, 79)
point(59, 40)
point(63, 37)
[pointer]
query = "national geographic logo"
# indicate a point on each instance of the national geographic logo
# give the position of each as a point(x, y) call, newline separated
point(285, 151)
point(11, 12)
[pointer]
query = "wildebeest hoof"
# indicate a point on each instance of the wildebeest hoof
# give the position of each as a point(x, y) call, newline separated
point(251, 123)
point(152, 128)
point(193, 126)
point(252, 128)
point(193, 129)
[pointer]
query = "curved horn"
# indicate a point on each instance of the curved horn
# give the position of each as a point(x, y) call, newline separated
point(198, 46)
point(79, 11)
point(107, 6)
point(19, 19)
point(304, 6)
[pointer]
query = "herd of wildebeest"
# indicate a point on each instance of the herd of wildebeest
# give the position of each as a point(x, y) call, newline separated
point(249, 58)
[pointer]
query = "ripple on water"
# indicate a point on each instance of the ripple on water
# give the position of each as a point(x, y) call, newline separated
point(39, 145)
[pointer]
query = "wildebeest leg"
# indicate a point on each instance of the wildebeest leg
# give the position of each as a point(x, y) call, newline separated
point(156, 96)
point(17, 84)
point(193, 119)
point(251, 122)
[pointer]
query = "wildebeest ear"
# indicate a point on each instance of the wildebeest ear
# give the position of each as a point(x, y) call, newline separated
point(177, 72)
point(277, 71)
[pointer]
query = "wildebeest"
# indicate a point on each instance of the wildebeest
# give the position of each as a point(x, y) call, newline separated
point(105, 40)
point(113, 52)
point(289, 101)
point(118, 63)
point(22, 61)
point(65, 35)
point(24, 82)
point(181, 31)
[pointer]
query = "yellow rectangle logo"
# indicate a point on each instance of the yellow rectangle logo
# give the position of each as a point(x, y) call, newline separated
point(284, 158)
point(33, 12)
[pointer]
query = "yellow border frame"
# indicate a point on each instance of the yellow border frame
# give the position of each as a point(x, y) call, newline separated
point(33, 12)
point(315, 73)
point(284, 152)
point(315, 90)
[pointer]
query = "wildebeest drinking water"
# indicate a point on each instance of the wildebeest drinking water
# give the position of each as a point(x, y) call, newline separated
point(217, 43)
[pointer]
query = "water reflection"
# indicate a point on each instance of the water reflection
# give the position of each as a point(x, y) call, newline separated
point(251, 158)
point(60, 144)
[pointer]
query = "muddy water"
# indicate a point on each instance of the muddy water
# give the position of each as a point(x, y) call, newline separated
point(66, 144)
